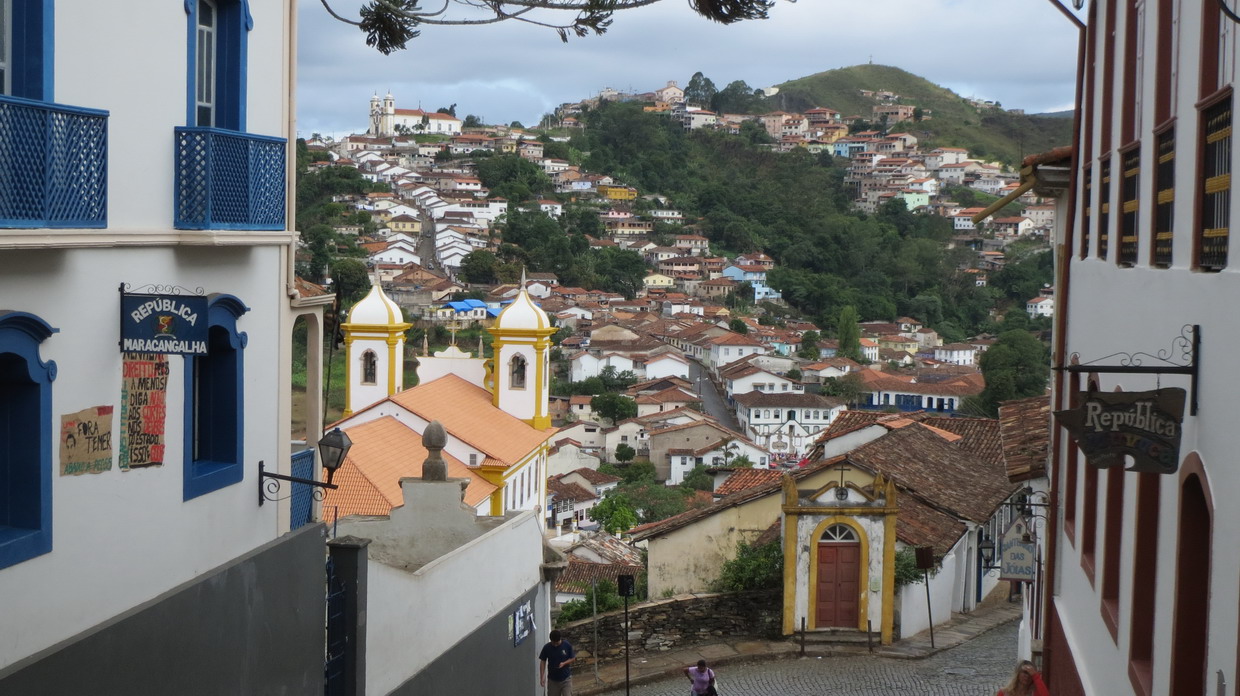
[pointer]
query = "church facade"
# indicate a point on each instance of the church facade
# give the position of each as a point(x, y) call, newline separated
point(386, 120)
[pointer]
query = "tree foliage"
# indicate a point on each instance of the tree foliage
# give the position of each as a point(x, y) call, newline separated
point(753, 568)
point(615, 513)
point(1016, 366)
point(625, 453)
point(698, 479)
point(848, 334)
point(614, 407)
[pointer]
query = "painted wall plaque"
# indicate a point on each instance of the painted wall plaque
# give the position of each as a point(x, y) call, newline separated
point(86, 441)
point(175, 324)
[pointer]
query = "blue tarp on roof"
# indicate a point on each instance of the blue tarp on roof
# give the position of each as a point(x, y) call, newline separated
point(466, 305)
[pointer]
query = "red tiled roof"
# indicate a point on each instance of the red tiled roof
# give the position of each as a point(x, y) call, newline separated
point(744, 479)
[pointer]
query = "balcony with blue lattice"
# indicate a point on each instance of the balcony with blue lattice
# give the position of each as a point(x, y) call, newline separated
point(53, 165)
point(226, 180)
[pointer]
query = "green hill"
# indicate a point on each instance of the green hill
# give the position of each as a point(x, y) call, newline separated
point(954, 122)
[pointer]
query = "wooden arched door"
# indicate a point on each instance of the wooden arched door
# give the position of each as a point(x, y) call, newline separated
point(839, 578)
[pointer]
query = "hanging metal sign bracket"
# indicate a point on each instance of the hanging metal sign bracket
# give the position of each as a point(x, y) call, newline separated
point(1182, 358)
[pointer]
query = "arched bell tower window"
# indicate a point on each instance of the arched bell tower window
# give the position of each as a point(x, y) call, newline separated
point(839, 533)
point(369, 367)
point(516, 372)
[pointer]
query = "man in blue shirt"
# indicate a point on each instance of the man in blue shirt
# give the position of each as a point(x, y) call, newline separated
point(554, 661)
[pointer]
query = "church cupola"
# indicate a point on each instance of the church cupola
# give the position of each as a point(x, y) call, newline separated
point(374, 340)
point(521, 373)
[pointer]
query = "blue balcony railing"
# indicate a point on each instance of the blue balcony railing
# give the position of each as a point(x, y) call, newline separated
point(53, 165)
point(228, 180)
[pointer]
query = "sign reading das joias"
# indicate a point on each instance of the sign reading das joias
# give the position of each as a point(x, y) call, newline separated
point(1143, 425)
point(173, 324)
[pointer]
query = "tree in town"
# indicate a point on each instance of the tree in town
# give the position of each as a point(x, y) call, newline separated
point(848, 333)
point(390, 25)
point(753, 568)
point(700, 90)
point(472, 121)
point(449, 110)
point(698, 479)
point(739, 326)
point(809, 345)
point(479, 266)
point(351, 279)
point(614, 407)
point(615, 513)
point(625, 453)
point(1016, 366)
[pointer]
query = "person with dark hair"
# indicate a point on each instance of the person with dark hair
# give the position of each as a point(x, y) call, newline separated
point(702, 679)
point(553, 662)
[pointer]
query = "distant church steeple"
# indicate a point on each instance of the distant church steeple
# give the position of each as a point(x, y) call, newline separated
point(521, 372)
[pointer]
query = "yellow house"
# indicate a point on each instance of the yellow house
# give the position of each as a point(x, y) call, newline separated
point(617, 193)
point(405, 223)
point(658, 280)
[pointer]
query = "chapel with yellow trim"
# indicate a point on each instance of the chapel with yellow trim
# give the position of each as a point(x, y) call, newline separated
point(495, 411)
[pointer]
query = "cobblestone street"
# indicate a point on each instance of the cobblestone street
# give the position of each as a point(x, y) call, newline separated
point(979, 667)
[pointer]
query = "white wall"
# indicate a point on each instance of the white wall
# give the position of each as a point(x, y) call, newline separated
point(428, 611)
point(911, 600)
point(122, 538)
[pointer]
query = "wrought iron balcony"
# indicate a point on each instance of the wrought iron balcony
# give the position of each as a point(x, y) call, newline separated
point(228, 180)
point(53, 165)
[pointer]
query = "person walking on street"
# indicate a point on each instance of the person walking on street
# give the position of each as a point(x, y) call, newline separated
point(702, 678)
point(554, 663)
point(1026, 682)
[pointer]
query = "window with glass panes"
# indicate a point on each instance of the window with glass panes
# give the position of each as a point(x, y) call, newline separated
point(1164, 200)
point(205, 67)
point(1214, 217)
point(1130, 161)
point(1104, 210)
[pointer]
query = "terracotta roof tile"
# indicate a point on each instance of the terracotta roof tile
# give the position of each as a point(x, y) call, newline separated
point(466, 412)
point(385, 451)
point(744, 479)
point(579, 574)
point(1024, 426)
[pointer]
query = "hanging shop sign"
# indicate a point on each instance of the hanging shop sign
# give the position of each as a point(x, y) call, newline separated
point(1146, 426)
point(171, 324)
point(1018, 560)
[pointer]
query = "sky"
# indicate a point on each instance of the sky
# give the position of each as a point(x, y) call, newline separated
point(1021, 53)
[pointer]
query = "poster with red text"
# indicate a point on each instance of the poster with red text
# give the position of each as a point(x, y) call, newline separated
point(144, 391)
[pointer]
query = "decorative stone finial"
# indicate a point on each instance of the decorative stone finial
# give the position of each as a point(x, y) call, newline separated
point(434, 439)
point(426, 350)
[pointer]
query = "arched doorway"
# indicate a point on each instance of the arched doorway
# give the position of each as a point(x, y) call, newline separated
point(838, 590)
point(1191, 626)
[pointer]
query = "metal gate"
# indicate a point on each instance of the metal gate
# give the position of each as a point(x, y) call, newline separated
point(334, 665)
point(301, 507)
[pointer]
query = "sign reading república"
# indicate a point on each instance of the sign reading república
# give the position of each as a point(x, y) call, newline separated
point(171, 324)
point(1143, 425)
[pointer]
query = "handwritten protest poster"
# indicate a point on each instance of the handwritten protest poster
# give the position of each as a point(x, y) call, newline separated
point(86, 441)
point(144, 391)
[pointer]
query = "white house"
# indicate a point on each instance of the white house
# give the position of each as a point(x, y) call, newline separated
point(786, 423)
point(956, 354)
point(1041, 307)
point(147, 454)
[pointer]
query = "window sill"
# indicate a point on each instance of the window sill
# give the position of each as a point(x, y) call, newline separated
point(19, 544)
point(204, 477)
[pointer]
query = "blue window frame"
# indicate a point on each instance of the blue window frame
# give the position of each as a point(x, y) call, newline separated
point(215, 403)
point(26, 49)
point(216, 65)
point(25, 438)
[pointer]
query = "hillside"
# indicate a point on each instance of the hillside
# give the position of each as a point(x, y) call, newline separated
point(990, 134)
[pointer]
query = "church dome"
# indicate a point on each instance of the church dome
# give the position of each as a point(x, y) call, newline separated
point(522, 314)
point(376, 309)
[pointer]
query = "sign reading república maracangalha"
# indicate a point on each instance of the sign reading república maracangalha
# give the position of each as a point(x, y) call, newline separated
point(1143, 425)
point(172, 324)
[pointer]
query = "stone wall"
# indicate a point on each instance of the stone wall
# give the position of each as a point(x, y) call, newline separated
point(665, 624)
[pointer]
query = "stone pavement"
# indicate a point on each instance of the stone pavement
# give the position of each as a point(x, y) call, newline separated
point(960, 629)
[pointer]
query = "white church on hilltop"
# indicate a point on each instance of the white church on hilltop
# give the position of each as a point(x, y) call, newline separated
point(495, 412)
point(386, 120)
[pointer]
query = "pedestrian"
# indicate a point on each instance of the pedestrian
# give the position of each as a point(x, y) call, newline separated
point(553, 664)
point(702, 678)
point(1026, 682)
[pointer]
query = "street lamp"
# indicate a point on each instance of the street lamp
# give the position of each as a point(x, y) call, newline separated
point(333, 448)
point(987, 548)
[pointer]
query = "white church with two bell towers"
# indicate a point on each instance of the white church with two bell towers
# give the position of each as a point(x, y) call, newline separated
point(386, 120)
point(495, 410)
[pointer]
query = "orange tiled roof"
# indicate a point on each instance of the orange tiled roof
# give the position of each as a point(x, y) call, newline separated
point(743, 479)
point(385, 451)
point(466, 412)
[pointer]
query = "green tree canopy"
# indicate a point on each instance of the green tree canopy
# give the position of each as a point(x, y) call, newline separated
point(1015, 367)
point(615, 513)
point(848, 333)
point(351, 279)
point(700, 90)
point(614, 407)
point(625, 453)
point(479, 266)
